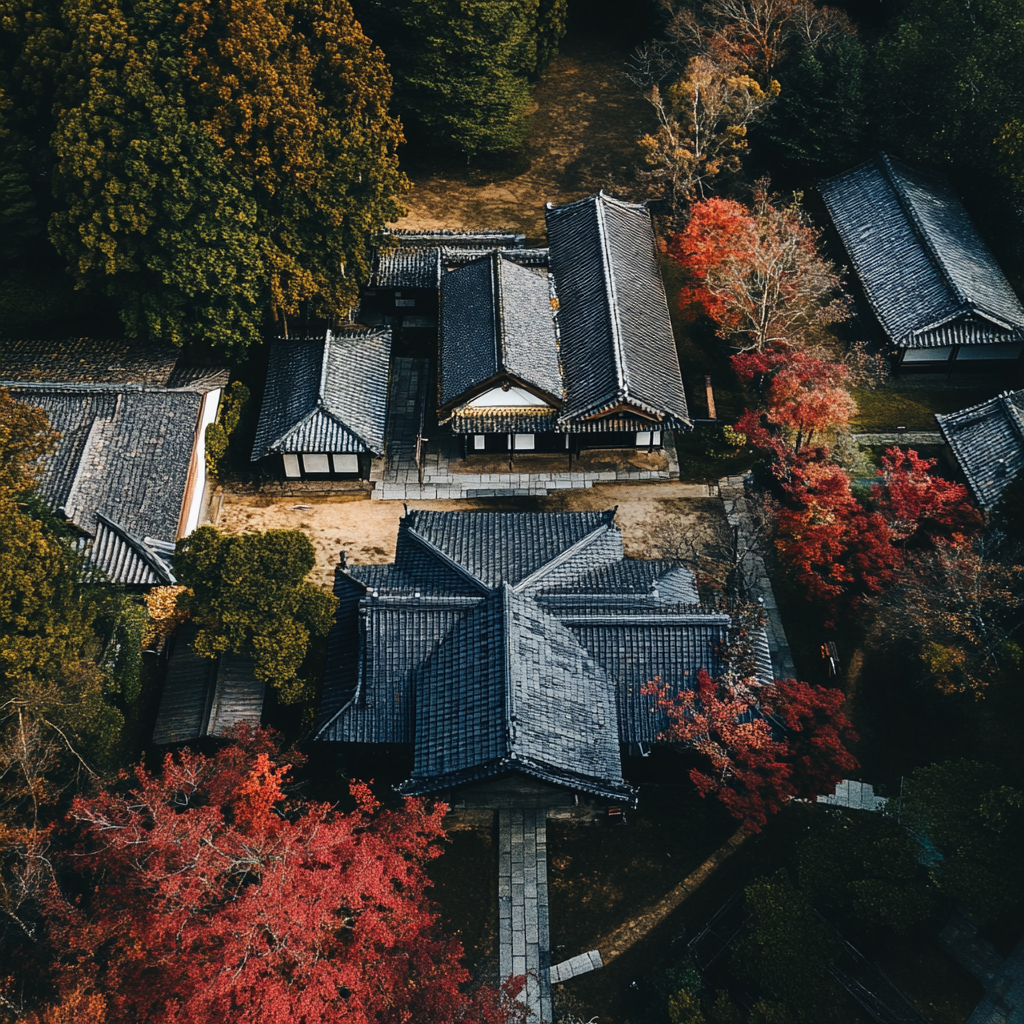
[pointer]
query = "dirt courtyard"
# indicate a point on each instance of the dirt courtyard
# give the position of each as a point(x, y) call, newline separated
point(585, 123)
point(652, 517)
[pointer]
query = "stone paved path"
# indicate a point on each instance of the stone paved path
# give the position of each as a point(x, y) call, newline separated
point(908, 437)
point(755, 572)
point(400, 478)
point(523, 934)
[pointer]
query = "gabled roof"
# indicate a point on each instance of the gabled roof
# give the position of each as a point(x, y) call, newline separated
point(988, 442)
point(326, 395)
point(206, 696)
point(926, 271)
point(512, 642)
point(617, 346)
point(124, 452)
point(125, 559)
point(509, 689)
point(487, 549)
point(497, 322)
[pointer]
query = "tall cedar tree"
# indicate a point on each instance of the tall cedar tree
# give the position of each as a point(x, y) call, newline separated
point(948, 89)
point(249, 594)
point(463, 68)
point(214, 158)
point(207, 894)
point(757, 273)
point(753, 765)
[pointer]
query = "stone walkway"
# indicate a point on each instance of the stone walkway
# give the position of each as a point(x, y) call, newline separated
point(523, 934)
point(755, 572)
point(399, 480)
point(909, 437)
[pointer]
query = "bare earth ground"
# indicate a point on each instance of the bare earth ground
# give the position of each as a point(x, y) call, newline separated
point(652, 518)
point(586, 121)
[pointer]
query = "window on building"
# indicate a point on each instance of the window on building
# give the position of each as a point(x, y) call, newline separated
point(479, 442)
point(524, 442)
point(345, 463)
point(316, 463)
point(291, 465)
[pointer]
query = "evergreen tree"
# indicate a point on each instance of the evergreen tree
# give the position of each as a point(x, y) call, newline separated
point(820, 117)
point(463, 67)
point(948, 86)
point(214, 158)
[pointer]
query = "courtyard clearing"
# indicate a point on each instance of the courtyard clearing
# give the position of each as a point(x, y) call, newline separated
point(654, 518)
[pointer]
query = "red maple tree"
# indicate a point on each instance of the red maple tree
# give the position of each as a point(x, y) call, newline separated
point(920, 506)
point(757, 273)
point(804, 393)
point(764, 745)
point(207, 895)
point(836, 551)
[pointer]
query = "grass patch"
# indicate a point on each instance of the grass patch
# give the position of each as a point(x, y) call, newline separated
point(884, 409)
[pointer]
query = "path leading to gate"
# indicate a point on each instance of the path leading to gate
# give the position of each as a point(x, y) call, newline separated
point(523, 933)
point(399, 480)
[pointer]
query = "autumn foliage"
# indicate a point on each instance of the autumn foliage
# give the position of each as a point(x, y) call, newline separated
point(762, 745)
point(757, 272)
point(203, 893)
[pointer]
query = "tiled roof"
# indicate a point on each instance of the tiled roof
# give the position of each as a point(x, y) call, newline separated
point(407, 268)
point(123, 452)
point(125, 559)
point(496, 323)
point(453, 257)
point(509, 689)
point(485, 239)
point(617, 346)
point(86, 361)
point(206, 696)
point(526, 419)
point(326, 395)
point(924, 267)
point(988, 442)
point(512, 642)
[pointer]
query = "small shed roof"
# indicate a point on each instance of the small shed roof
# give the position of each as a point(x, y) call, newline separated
point(326, 394)
point(497, 322)
point(407, 267)
point(617, 345)
point(926, 271)
point(987, 440)
point(482, 239)
point(206, 696)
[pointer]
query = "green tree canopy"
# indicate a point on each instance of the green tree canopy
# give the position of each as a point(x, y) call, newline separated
point(787, 951)
point(948, 86)
point(865, 865)
point(212, 159)
point(463, 68)
point(964, 813)
point(249, 594)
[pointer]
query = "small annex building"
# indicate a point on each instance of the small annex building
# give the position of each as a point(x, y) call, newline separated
point(987, 441)
point(129, 468)
point(205, 696)
point(574, 352)
point(504, 654)
point(937, 291)
point(325, 403)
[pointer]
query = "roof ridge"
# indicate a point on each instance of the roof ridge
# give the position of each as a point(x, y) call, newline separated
point(497, 312)
point(618, 356)
point(1013, 414)
point(904, 200)
point(511, 731)
point(447, 560)
point(566, 554)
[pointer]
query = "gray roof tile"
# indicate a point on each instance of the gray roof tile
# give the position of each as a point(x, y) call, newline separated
point(407, 268)
point(988, 442)
point(326, 395)
point(926, 271)
point(512, 642)
point(617, 346)
point(496, 323)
